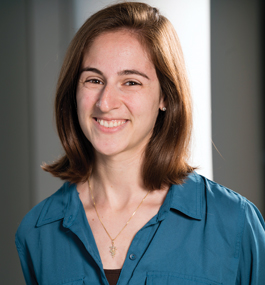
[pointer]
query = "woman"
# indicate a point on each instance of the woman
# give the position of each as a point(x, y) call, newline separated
point(132, 210)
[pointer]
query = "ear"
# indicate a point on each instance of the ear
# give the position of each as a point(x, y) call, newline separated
point(162, 103)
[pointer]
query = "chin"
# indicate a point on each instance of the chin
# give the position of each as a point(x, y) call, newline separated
point(109, 151)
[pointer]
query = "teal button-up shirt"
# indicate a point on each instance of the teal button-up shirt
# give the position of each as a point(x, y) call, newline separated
point(203, 233)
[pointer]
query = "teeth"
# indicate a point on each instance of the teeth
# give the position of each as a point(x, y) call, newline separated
point(110, 124)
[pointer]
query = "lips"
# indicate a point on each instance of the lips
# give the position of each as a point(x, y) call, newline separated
point(110, 123)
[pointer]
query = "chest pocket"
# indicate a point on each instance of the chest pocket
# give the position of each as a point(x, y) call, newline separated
point(170, 278)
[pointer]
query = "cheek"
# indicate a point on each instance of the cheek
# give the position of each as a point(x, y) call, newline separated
point(149, 102)
point(84, 111)
point(135, 104)
point(84, 103)
point(144, 104)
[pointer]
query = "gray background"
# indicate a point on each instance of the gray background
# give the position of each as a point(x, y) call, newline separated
point(34, 37)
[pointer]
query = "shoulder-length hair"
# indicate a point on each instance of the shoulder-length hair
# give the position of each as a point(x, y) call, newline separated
point(165, 158)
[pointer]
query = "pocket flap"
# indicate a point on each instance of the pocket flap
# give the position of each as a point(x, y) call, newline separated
point(72, 281)
point(170, 278)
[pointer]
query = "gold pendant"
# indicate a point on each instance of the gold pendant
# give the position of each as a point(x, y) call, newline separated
point(112, 249)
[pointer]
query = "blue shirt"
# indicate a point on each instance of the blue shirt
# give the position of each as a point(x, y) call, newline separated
point(203, 234)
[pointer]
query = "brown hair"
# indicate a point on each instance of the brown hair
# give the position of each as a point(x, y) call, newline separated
point(166, 154)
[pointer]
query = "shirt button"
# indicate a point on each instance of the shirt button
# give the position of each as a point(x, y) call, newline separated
point(132, 256)
point(70, 218)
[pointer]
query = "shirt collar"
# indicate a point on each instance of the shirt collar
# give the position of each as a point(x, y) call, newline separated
point(186, 198)
point(65, 203)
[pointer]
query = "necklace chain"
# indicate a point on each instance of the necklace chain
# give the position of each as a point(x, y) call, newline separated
point(112, 247)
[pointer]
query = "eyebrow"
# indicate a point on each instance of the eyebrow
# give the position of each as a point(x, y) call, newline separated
point(120, 73)
point(92, 69)
point(132, 71)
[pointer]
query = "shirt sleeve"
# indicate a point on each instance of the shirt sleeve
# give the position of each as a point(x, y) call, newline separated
point(26, 264)
point(251, 268)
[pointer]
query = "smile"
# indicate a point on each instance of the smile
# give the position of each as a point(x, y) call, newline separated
point(111, 124)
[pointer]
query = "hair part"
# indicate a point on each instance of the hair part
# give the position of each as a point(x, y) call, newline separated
point(166, 155)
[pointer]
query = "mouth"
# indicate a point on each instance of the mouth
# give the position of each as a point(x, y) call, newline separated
point(110, 123)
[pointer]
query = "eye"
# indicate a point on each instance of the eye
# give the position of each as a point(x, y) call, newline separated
point(94, 81)
point(132, 83)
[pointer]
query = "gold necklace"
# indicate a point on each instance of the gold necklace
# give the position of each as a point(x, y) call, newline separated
point(113, 248)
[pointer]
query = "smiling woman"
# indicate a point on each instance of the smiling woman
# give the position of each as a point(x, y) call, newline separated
point(132, 210)
point(157, 42)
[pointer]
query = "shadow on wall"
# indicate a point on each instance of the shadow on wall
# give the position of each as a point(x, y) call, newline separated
point(34, 36)
point(238, 96)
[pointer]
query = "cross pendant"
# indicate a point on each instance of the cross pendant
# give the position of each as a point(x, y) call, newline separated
point(112, 249)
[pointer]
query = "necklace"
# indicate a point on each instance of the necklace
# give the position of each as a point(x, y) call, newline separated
point(113, 248)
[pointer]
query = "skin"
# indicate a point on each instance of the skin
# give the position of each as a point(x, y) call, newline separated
point(106, 92)
point(118, 86)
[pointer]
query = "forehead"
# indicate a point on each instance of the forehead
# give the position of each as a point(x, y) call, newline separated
point(117, 44)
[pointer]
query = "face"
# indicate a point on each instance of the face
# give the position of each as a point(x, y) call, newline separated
point(118, 95)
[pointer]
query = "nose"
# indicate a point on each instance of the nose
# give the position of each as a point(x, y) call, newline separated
point(108, 99)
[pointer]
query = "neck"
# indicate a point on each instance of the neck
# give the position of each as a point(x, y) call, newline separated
point(116, 181)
